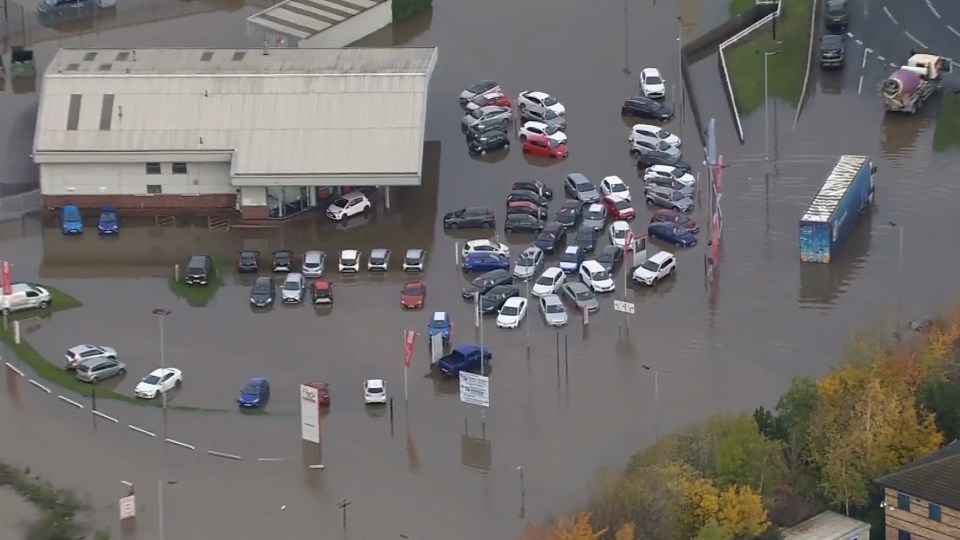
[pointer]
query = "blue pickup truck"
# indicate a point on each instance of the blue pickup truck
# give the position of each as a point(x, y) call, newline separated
point(463, 358)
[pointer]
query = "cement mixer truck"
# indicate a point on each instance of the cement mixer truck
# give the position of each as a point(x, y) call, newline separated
point(910, 85)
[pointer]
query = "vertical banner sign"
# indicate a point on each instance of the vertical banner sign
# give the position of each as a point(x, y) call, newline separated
point(128, 507)
point(7, 275)
point(586, 316)
point(409, 341)
point(628, 247)
point(309, 414)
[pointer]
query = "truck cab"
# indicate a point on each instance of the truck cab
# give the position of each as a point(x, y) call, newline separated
point(464, 358)
point(832, 51)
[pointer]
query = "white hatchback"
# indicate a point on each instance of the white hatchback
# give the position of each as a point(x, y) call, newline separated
point(540, 129)
point(512, 312)
point(374, 392)
point(613, 185)
point(349, 261)
point(349, 205)
point(294, 288)
point(159, 381)
point(549, 282)
point(652, 84)
point(669, 172)
point(484, 246)
point(595, 276)
point(652, 134)
point(532, 98)
point(618, 232)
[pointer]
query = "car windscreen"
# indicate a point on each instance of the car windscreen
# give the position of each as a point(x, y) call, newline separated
point(584, 187)
point(653, 79)
point(412, 261)
point(480, 86)
point(375, 390)
point(261, 288)
point(340, 203)
point(619, 233)
point(600, 276)
point(569, 256)
point(151, 379)
point(584, 294)
point(440, 325)
point(551, 129)
point(478, 114)
point(549, 115)
point(664, 134)
point(250, 389)
point(545, 280)
point(593, 214)
point(676, 196)
point(509, 311)
point(555, 308)
point(108, 217)
point(411, 290)
point(650, 265)
point(663, 146)
point(196, 270)
point(550, 101)
point(622, 205)
point(291, 285)
point(347, 260)
point(526, 260)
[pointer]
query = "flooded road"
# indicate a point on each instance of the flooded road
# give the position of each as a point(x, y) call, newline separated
point(768, 320)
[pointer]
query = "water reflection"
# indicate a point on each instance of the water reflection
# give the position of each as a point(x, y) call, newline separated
point(899, 135)
point(476, 453)
point(821, 285)
point(831, 82)
point(399, 35)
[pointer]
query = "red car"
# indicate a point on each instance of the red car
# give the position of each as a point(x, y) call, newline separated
point(323, 392)
point(545, 146)
point(619, 208)
point(672, 216)
point(526, 207)
point(413, 295)
point(490, 98)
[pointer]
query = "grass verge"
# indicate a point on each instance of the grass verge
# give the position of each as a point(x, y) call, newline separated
point(947, 133)
point(785, 70)
point(740, 6)
point(58, 507)
point(198, 296)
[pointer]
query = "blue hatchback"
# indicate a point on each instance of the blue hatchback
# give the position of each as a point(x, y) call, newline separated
point(254, 394)
point(440, 324)
point(109, 222)
point(71, 222)
point(673, 233)
point(485, 262)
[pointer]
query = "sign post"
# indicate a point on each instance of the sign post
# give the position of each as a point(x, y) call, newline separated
point(310, 412)
point(409, 342)
point(474, 389)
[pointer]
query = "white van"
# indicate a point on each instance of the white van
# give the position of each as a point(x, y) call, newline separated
point(24, 296)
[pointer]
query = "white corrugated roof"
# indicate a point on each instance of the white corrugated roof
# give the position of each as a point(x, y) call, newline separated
point(830, 195)
point(293, 112)
point(825, 526)
point(306, 18)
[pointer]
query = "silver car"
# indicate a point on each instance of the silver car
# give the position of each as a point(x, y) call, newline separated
point(81, 353)
point(553, 311)
point(595, 216)
point(379, 260)
point(414, 260)
point(314, 263)
point(294, 288)
point(529, 263)
point(98, 369)
point(581, 188)
point(668, 198)
point(581, 296)
point(671, 183)
point(646, 147)
point(492, 116)
point(478, 89)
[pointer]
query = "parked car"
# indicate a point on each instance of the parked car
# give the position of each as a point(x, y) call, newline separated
point(532, 98)
point(571, 258)
point(668, 198)
point(668, 171)
point(652, 84)
point(294, 288)
point(644, 107)
point(610, 258)
point(528, 208)
point(199, 270)
point(675, 234)
point(109, 222)
point(613, 185)
point(464, 358)
point(413, 294)
point(282, 261)
point(254, 394)
point(618, 233)
point(529, 196)
point(535, 186)
point(484, 262)
point(492, 115)
point(553, 311)
point(545, 116)
point(528, 263)
point(540, 129)
point(50, 10)
point(484, 246)
point(349, 205)
point(490, 141)
point(671, 183)
point(495, 297)
point(495, 98)
point(470, 217)
point(321, 292)
point(581, 296)
point(549, 281)
point(512, 313)
point(677, 218)
point(81, 353)
point(263, 293)
point(649, 159)
point(595, 216)
point(832, 51)
point(545, 147)
point(551, 238)
point(379, 260)
point(581, 188)
point(652, 134)
point(570, 213)
point(478, 131)
point(98, 369)
point(414, 260)
point(24, 296)
point(314, 264)
point(158, 381)
point(523, 223)
point(248, 261)
point(349, 261)
point(71, 221)
point(374, 392)
point(440, 324)
point(646, 147)
point(483, 283)
point(656, 268)
point(478, 89)
point(595, 276)
point(618, 208)
point(586, 238)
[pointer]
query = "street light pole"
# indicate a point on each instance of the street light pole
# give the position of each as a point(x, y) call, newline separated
point(161, 315)
point(523, 492)
point(680, 64)
point(766, 106)
point(656, 396)
point(626, 39)
point(899, 278)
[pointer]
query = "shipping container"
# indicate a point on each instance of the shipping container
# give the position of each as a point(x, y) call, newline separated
point(835, 211)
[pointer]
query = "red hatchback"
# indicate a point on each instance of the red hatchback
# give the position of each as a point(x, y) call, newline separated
point(413, 294)
point(619, 208)
point(672, 216)
point(545, 146)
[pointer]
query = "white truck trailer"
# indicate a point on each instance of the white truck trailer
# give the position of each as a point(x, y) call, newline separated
point(910, 85)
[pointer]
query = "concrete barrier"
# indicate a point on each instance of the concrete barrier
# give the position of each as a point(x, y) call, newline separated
point(814, 16)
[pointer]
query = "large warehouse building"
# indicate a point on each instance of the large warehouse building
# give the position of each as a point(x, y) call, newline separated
point(270, 132)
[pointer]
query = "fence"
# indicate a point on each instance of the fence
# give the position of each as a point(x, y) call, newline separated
point(15, 207)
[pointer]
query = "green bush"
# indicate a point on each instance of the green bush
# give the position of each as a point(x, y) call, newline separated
point(404, 9)
point(58, 507)
point(947, 133)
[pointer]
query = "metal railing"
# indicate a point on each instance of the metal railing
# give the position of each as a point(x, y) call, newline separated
point(14, 207)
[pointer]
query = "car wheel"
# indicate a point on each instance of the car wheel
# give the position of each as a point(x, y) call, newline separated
point(44, 304)
point(523, 137)
point(649, 201)
point(485, 225)
point(178, 383)
point(506, 146)
point(676, 208)
point(483, 152)
point(94, 379)
point(453, 226)
point(525, 151)
point(121, 371)
point(6, 311)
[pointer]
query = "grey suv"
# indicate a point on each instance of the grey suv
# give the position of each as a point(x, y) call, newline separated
point(491, 115)
point(581, 188)
point(669, 198)
point(199, 270)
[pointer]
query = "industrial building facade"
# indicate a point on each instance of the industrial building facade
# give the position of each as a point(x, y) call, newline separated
point(318, 23)
point(269, 132)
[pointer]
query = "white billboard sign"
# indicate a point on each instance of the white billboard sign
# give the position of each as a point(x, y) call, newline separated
point(128, 507)
point(624, 307)
point(474, 389)
point(309, 414)
point(436, 348)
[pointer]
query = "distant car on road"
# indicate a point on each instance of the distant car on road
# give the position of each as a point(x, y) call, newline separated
point(669, 172)
point(294, 288)
point(644, 107)
point(476, 89)
point(495, 297)
point(414, 260)
point(379, 260)
point(464, 358)
point(581, 188)
point(248, 261)
point(484, 246)
point(581, 296)
point(282, 261)
point(484, 262)
point(677, 218)
point(656, 268)
point(349, 205)
point(619, 208)
point(545, 147)
point(81, 353)
point(652, 84)
point(349, 261)
point(675, 234)
point(254, 394)
point(413, 294)
point(374, 392)
point(490, 141)
point(158, 381)
point(484, 282)
point(544, 116)
point(98, 369)
point(71, 221)
point(532, 98)
point(528, 263)
point(512, 313)
point(263, 293)
point(836, 15)
point(553, 311)
point(549, 281)
point(314, 264)
point(571, 258)
point(541, 129)
point(470, 217)
point(109, 222)
point(491, 115)
point(668, 198)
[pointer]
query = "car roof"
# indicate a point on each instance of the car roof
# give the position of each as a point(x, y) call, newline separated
point(531, 250)
point(551, 299)
point(414, 282)
point(579, 178)
point(572, 249)
point(591, 264)
point(283, 252)
point(414, 252)
point(440, 316)
point(521, 204)
point(84, 347)
point(379, 252)
point(161, 371)
point(353, 195)
point(575, 286)
point(481, 242)
point(613, 180)
point(536, 94)
point(646, 127)
point(651, 71)
point(99, 359)
point(610, 248)
point(293, 276)
point(374, 383)
point(262, 279)
point(597, 207)
point(552, 271)
point(620, 224)
point(349, 253)
point(660, 257)
point(313, 253)
point(536, 124)
point(514, 301)
point(492, 108)
point(322, 284)
point(257, 380)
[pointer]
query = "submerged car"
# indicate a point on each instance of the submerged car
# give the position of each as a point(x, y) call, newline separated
point(569, 214)
point(571, 258)
point(595, 216)
point(159, 381)
point(483, 283)
point(374, 392)
point(321, 292)
point(528, 263)
point(254, 394)
point(294, 288)
point(98, 369)
point(248, 261)
point(464, 358)
point(649, 159)
point(668, 198)
point(414, 260)
point(667, 171)
point(413, 294)
point(610, 258)
point(109, 222)
point(644, 107)
point(675, 234)
point(654, 269)
point(490, 141)
point(379, 260)
point(493, 299)
point(512, 312)
point(314, 264)
point(282, 261)
point(619, 208)
point(677, 218)
point(349, 261)
point(492, 115)
point(477, 89)
point(581, 296)
point(553, 311)
point(348, 205)
point(263, 293)
point(549, 281)
point(484, 262)
point(551, 238)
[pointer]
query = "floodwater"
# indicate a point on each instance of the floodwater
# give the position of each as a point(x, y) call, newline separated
point(556, 416)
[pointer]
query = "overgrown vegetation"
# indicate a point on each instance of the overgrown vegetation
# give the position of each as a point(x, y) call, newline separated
point(822, 446)
point(58, 507)
point(738, 7)
point(947, 133)
point(197, 295)
point(404, 9)
point(785, 69)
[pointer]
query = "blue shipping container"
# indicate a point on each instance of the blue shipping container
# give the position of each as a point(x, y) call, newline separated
point(835, 211)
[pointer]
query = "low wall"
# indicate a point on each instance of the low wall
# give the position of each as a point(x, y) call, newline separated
point(404, 9)
point(169, 203)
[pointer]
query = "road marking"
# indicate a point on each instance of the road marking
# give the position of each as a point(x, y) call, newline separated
point(271, 459)
point(141, 430)
point(317, 467)
point(892, 64)
point(858, 42)
point(40, 386)
point(850, 35)
point(128, 484)
point(933, 9)
point(221, 454)
point(915, 40)
point(866, 52)
point(105, 417)
point(70, 401)
point(887, 11)
point(950, 28)
point(180, 444)
point(860, 86)
point(14, 369)
point(881, 58)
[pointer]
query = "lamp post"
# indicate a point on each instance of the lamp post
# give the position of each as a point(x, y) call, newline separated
point(526, 282)
point(680, 65)
point(523, 492)
point(899, 276)
point(161, 315)
point(656, 396)
point(626, 39)
point(766, 106)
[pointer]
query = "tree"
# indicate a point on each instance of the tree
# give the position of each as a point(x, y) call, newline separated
point(794, 411)
point(714, 531)
point(738, 510)
point(741, 511)
point(641, 497)
point(941, 396)
point(744, 457)
point(627, 531)
point(566, 528)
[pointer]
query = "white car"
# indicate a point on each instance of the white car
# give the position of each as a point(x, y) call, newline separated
point(652, 134)
point(349, 261)
point(512, 312)
point(553, 311)
point(484, 246)
point(595, 276)
point(668, 171)
point(379, 260)
point(159, 381)
point(294, 288)
point(655, 268)
point(652, 84)
point(374, 391)
point(414, 260)
point(532, 98)
point(613, 185)
point(549, 282)
point(534, 129)
point(314, 263)
point(349, 205)
point(645, 147)
point(618, 232)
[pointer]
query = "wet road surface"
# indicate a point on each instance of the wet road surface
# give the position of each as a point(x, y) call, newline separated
point(768, 319)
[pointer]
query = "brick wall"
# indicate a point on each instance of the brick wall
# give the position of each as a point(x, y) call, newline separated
point(144, 202)
point(254, 212)
point(917, 522)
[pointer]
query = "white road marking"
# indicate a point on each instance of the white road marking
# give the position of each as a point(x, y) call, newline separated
point(70, 401)
point(105, 417)
point(858, 42)
point(887, 11)
point(933, 9)
point(180, 444)
point(860, 86)
point(915, 40)
point(950, 28)
point(850, 35)
point(40, 386)
point(866, 52)
point(316, 467)
point(221, 454)
point(14, 369)
point(271, 459)
point(892, 64)
point(128, 484)
point(141, 430)
point(882, 58)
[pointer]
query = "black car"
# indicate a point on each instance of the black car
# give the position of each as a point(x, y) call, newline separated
point(476, 131)
point(199, 270)
point(570, 213)
point(249, 261)
point(523, 223)
point(493, 299)
point(832, 51)
point(835, 14)
point(540, 114)
point(586, 239)
point(610, 258)
point(535, 186)
point(471, 217)
point(528, 196)
point(659, 158)
point(551, 238)
point(263, 293)
point(283, 260)
point(488, 142)
point(645, 107)
point(484, 282)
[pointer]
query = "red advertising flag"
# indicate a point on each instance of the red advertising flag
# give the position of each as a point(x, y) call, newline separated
point(409, 339)
point(628, 246)
point(7, 275)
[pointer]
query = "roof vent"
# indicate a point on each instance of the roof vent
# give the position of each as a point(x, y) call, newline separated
point(73, 67)
point(89, 57)
point(238, 56)
point(105, 67)
point(206, 57)
point(123, 56)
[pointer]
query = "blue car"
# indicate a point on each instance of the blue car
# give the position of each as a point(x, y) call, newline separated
point(464, 358)
point(109, 222)
point(71, 222)
point(440, 324)
point(673, 233)
point(485, 262)
point(254, 394)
